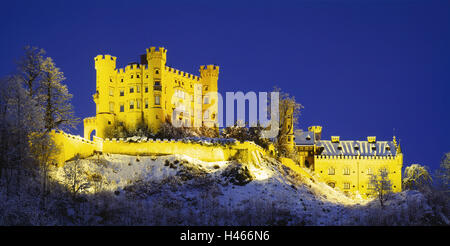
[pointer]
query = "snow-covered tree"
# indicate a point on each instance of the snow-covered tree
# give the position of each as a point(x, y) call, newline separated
point(443, 173)
point(416, 177)
point(289, 111)
point(75, 176)
point(380, 186)
point(56, 99)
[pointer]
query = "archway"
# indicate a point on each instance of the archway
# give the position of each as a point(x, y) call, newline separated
point(92, 134)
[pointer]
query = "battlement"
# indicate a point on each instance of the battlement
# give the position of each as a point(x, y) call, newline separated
point(105, 61)
point(355, 157)
point(159, 53)
point(209, 71)
point(89, 120)
point(181, 73)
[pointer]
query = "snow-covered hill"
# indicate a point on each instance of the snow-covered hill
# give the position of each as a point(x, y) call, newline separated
point(180, 190)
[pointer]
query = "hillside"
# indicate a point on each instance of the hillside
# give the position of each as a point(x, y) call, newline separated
point(180, 190)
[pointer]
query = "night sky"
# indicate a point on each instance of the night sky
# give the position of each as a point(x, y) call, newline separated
point(359, 68)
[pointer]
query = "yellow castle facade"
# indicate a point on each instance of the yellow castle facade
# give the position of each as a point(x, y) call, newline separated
point(150, 93)
point(347, 165)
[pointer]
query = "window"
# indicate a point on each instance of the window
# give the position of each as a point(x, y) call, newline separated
point(146, 103)
point(146, 76)
point(122, 93)
point(138, 89)
point(131, 89)
point(157, 102)
point(331, 184)
point(369, 171)
point(157, 83)
point(138, 104)
point(206, 101)
point(132, 76)
point(146, 89)
point(122, 107)
point(346, 171)
point(121, 80)
point(137, 75)
point(110, 80)
point(331, 171)
point(206, 88)
point(111, 91)
point(156, 71)
point(111, 107)
point(132, 104)
point(206, 115)
point(347, 186)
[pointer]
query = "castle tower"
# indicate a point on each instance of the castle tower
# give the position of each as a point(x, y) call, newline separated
point(287, 129)
point(209, 76)
point(106, 75)
point(156, 59)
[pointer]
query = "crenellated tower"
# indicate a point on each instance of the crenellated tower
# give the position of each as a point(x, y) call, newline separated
point(209, 76)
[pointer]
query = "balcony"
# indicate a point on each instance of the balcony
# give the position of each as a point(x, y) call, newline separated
point(157, 87)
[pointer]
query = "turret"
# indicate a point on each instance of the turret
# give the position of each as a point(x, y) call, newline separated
point(156, 58)
point(209, 76)
point(317, 132)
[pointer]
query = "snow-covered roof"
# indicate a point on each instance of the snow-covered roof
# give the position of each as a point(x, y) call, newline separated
point(304, 138)
point(363, 148)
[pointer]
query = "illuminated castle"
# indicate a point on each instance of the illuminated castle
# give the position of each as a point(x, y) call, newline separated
point(348, 164)
point(149, 92)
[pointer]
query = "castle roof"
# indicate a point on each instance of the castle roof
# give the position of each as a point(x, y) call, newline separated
point(354, 148)
point(304, 138)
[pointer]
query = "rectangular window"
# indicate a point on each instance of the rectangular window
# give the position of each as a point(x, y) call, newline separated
point(131, 89)
point(206, 100)
point(146, 103)
point(206, 115)
point(138, 89)
point(157, 102)
point(111, 107)
point(331, 171)
point(132, 104)
point(146, 89)
point(369, 171)
point(122, 107)
point(122, 93)
point(111, 91)
point(138, 104)
point(346, 185)
point(157, 83)
point(132, 76)
point(346, 171)
point(137, 76)
point(121, 80)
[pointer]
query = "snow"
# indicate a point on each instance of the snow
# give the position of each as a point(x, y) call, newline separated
point(194, 192)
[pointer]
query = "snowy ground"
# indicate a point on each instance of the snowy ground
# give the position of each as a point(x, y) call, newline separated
point(180, 190)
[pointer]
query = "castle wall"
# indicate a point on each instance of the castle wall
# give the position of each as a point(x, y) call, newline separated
point(360, 168)
point(70, 145)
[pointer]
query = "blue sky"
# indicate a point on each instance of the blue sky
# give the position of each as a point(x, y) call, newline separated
point(359, 68)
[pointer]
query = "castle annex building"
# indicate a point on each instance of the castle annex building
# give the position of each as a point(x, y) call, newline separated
point(348, 164)
point(149, 92)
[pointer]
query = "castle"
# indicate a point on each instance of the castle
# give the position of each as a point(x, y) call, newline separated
point(150, 93)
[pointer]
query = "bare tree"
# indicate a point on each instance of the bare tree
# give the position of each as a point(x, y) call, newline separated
point(75, 176)
point(289, 111)
point(58, 110)
point(380, 186)
point(443, 173)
